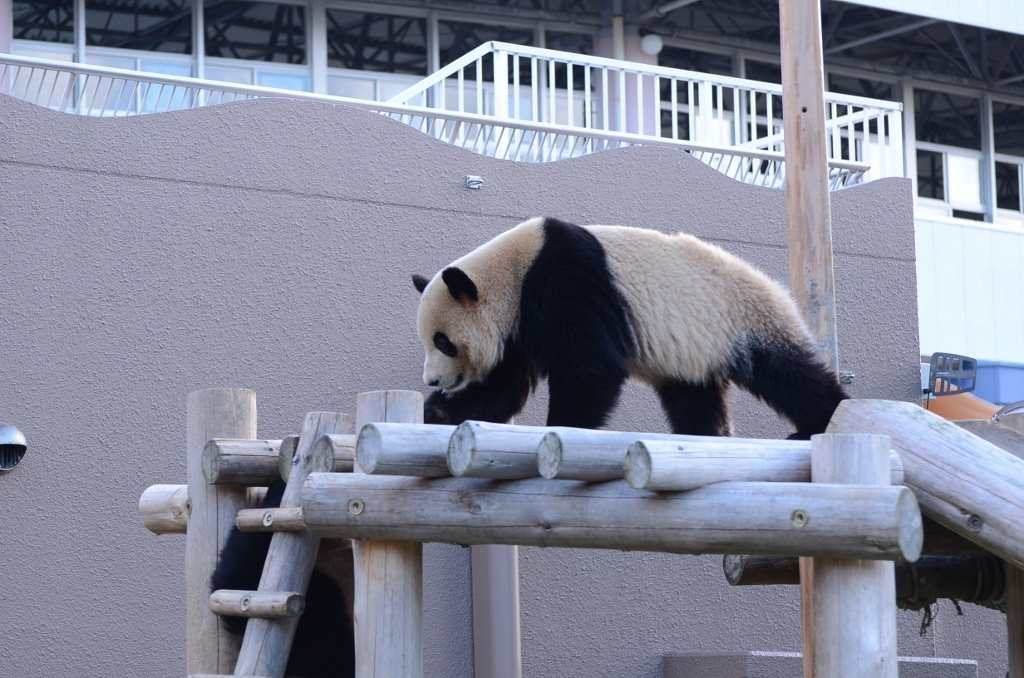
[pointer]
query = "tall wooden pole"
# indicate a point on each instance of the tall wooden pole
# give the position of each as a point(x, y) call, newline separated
point(808, 212)
point(388, 574)
point(213, 413)
point(1014, 590)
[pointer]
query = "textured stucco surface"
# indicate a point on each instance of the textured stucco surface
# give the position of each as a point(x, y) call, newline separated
point(268, 245)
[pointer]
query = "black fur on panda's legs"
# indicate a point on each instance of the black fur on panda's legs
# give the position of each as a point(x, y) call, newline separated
point(793, 382)
point(498, 398)
point(324, 641)
point(695, 409)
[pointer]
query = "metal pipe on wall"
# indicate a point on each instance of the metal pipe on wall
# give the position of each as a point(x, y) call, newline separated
point(497, 646)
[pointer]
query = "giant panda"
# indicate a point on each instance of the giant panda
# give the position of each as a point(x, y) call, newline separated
point(324, 642)
point(586, 307)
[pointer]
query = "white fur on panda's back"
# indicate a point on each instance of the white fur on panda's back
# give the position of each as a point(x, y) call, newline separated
point(689, 302)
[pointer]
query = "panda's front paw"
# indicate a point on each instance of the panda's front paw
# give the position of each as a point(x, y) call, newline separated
point(434, 410)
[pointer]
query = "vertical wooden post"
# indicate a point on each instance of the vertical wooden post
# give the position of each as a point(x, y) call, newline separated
point(289, 565)
point(808, 210)
point(213, 413)
point(388, 574)
point(1014, 589)
point(497, 649)
point(854, 600)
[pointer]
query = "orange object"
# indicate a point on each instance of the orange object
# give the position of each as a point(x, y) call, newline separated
point(961, 406)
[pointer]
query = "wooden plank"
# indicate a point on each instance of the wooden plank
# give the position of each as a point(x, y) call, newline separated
point(212, 413)
point(965, 483)
point(241, 462)
point(289, 563)
point(388, 574)
point(840, 520)
point(165, 509)
point(404, 449)
point(667, 465)
point(596, 456)
point(261, 604)
point(854, 600)
point(482, 450)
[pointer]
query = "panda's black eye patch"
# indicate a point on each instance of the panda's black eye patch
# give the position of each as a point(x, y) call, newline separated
point(445, 345)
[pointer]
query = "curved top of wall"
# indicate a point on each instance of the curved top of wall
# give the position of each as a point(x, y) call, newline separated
point(299, 147)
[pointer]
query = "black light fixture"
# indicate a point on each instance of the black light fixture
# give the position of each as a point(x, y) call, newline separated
point(12, 447)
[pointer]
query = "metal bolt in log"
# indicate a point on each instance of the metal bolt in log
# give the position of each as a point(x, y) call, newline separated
point(271, 520)
point(404, 449)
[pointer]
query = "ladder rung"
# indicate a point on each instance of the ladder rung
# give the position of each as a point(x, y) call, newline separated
point(260, 604)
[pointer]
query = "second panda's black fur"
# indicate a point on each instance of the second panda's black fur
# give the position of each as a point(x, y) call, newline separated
point(324, 643)
point(574, 330)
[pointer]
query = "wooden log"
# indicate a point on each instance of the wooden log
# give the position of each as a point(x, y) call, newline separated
point(241, 462)
point(165, 509)
point(270, 520)
point(597, 456)
point(941, 541)
point(969, 485)
point(847, 589)
point(404, 449)
point(212, 413)
point(213, 675)
point(668, 465)
point(336, 452)
point(261, 604)
point(768, 518)
point(498, 451)
point(971, 579)
point(289, 563)
point(388, 574)
point(996, 433)
point(286, 456)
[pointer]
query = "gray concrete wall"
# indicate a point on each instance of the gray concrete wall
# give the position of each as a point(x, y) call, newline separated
point(269, 245)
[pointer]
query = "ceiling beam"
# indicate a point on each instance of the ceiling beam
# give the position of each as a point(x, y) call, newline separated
point(958, 36)
point(913, 26)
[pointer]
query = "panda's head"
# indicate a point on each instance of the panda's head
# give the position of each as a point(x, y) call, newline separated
point(462, 342)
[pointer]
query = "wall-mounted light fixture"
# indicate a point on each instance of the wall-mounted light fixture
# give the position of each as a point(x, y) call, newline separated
point(12, 447)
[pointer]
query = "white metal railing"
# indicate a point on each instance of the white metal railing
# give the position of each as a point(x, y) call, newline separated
point(102, 91)
point(591, 93)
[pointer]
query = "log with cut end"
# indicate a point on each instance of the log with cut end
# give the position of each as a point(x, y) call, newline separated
point(258, 604)
point(241, 462)
point(685, 465)
point(270, 520)
point(165, 509)
point(596, 456)
point(404, 449)
point(978, 580)
point(497, 451)
point(768, 518)
point(969, 485)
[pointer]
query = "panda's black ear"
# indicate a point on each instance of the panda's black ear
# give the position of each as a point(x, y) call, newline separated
point(419, 282)
point(459, 284)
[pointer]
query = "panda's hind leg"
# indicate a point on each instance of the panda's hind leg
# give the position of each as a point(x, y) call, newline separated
point(695, 409)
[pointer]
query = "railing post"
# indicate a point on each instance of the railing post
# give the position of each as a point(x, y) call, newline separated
point(854, 601)
point(501, 85)
point(213, 413)
point(388, 574)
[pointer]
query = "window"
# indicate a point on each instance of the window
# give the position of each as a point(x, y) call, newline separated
point(930, 176)
point(861, 87)
point(376, 42)
point(456, 38)
point(577, 43)
point(153, 26)
point(262, 31)
point(947, 119)
point(692, 60)
point(1008, 186)
point(46, 20)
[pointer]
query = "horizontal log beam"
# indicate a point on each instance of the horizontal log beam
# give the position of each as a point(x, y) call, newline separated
point(497, 451)
point(217, 675)
point(165, 509)
point(241, 462)
point(674, 465)
point(974, 580)
point(969, 485)
point(772, 518)
point(596, 456)
point(270, 520)
point(258, 604)
point(404, 449)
